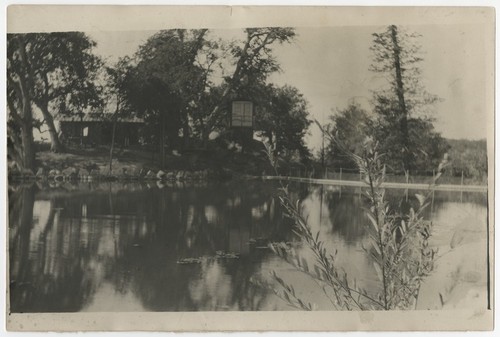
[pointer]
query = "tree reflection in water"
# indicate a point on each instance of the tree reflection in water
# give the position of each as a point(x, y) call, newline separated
point(115, 247)
point(67, 244)
point(47, 265)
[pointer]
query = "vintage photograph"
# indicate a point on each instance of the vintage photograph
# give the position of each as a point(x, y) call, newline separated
point(264, 168)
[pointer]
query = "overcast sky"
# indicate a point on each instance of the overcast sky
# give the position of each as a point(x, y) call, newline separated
point(330, 67)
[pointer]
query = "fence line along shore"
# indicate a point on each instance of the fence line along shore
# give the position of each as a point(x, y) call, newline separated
point(438, 187)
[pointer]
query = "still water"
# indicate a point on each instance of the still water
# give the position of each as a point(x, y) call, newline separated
point(117, 247)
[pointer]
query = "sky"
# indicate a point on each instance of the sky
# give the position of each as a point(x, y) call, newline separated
point(330, 66)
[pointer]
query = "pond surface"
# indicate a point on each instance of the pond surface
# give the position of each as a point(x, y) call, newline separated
point(117, 247)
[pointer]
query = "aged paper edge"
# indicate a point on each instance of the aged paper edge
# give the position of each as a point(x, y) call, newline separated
point(46, 18)
point(255, 321)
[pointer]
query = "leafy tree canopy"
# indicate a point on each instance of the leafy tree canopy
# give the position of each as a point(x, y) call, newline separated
point(403, 125)
point(283, 117)
point(352, 127)
point(62, 70)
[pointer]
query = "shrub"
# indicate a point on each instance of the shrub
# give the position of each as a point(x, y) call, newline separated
point(399, 246)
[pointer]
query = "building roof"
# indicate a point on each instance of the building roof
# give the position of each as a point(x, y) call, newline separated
point(97, 117)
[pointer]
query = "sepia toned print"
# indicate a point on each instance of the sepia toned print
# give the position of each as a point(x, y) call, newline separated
point(234, 172)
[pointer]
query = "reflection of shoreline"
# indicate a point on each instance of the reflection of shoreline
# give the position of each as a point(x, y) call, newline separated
point(459, 231)
point(385, 184)
point(65, 245)
point(96, 186)
point(133, 240)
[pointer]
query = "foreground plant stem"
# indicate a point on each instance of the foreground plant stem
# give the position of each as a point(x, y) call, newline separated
point(400, 252)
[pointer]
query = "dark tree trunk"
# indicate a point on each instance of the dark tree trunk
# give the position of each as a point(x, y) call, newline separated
point(185, 133)
point(28, 147)
point(55, 143)
point(27, 114)
point(112, 143)
point(115, 119)
point(204, 133)
point(112, 147)
point(401, 97)
point(22, 149)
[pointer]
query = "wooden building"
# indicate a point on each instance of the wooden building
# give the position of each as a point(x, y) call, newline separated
point(93, 129)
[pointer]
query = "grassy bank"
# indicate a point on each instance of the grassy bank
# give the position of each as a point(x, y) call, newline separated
point(136, 159)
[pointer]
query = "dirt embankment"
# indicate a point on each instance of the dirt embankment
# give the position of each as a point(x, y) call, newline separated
point(78, 163)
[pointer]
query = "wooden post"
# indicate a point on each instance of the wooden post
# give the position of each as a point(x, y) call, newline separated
point(115, 118)
point(162, 141)
point(407, 174)
point(462, 187)
point(326, 172)
point(432, 202)
point(360, 187)
point(340, 174)
point(321, 204)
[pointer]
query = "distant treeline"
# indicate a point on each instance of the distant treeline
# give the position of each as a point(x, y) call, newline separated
point(469, 157)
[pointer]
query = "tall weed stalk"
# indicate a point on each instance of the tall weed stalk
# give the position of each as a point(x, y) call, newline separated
point(399, 245)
